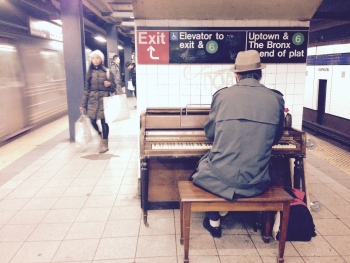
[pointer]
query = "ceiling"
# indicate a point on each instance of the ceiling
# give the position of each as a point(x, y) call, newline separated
point(324, 15)
point(225, 9)
point(329, 19)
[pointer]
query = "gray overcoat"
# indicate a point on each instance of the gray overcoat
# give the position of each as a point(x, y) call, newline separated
point(117, 78)
point(244, 122)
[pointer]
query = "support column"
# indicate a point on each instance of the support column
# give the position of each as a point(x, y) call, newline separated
point(127, 57)
point(112, 42)
point(74, 57)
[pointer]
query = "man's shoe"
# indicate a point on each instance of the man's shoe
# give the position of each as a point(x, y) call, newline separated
point(214, 231)
point(222, 218)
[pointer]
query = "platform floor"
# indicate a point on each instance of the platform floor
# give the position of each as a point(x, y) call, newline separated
point(61, 203)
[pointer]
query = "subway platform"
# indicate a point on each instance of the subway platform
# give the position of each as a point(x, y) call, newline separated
point(62, 203)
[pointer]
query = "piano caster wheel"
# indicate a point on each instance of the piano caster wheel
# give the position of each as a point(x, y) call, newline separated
point(315, 206)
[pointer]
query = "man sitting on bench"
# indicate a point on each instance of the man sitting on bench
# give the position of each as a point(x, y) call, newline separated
point(245, 120)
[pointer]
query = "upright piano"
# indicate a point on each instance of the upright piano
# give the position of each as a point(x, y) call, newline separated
point(172, 140)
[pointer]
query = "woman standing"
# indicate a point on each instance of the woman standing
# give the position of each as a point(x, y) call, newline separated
point(99, 83)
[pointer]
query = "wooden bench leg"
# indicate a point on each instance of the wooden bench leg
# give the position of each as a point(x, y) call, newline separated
point(283, 233)
point(181, 224)
point(186, 212)
point(266, 234)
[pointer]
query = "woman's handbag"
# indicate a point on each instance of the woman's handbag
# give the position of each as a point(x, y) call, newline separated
point(82, 131)
point(116, 108)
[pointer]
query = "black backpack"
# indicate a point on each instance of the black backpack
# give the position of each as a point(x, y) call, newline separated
point(301, 226)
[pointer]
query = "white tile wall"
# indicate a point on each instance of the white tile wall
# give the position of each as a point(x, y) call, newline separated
point(196, 23)
point(252, 23)
point(342, 48)
point(263, 23)
point(162, 23)
point(285, 23)
point(178, 85)
point(241, 23)
point(338, 88)
point(207, 23)
point(174, 23)
point(151, 23)
point(274, 23)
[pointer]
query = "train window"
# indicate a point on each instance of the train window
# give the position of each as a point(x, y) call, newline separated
point(10, 73)
point(53, 65)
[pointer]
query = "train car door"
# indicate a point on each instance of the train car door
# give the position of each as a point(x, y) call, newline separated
point(321, 103)
point(12, 113)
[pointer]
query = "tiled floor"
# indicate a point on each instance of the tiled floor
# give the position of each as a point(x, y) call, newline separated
point(60, 203)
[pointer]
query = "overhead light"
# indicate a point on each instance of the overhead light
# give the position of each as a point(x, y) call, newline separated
point(120, 47)
point(127, 23)
point(122, 14)
point(101, 39)
point(45, 29)
point(7, 48)
point(58, 21)
point(132, 17)
point(56, 44)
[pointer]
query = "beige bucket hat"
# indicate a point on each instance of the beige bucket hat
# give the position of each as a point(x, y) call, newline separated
point(247, 60)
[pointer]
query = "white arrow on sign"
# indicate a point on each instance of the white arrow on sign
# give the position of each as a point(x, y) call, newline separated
point(151, 49)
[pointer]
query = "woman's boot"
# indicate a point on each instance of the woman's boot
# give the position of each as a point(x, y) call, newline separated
point(104, 146)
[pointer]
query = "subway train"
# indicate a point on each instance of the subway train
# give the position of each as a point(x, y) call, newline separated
point(32, 84)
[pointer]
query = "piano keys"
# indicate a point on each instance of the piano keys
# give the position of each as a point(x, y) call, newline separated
point(172, 141)
point(207, 146)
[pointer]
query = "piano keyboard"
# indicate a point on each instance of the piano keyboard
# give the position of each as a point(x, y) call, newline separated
point(181, 146)
point(201, 145)
point(284, 145)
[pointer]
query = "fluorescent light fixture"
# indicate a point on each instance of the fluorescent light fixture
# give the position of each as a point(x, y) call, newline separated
point(7, 48)
point(120, 47)
point(56, 45)
point(128, 23)
point(45, 29)
point(58, 21)
point(101, 39)
point(122, 14)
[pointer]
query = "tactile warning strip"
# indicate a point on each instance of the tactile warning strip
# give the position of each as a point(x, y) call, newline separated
point(330, 153)
point(14, 150)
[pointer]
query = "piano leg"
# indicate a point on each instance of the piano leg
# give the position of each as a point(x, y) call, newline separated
point(144, 190)
point(298, 172)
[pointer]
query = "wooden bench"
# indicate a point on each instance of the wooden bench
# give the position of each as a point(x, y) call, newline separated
point(195, 199)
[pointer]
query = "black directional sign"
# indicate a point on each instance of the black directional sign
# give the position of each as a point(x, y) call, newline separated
point(205, 46)
point(285, 46)
point(221, 45)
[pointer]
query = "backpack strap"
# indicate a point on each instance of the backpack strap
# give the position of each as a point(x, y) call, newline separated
point(298, 193)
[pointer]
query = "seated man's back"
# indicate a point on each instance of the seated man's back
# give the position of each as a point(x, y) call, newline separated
point(244, 122)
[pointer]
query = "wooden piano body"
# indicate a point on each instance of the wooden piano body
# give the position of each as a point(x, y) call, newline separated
point(172, 140)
